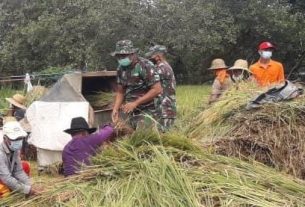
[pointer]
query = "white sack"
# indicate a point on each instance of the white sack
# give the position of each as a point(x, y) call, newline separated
point(49, 119)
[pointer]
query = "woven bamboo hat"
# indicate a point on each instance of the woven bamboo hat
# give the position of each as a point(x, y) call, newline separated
point(17, 100)
point(218, 64)
point(240, 64)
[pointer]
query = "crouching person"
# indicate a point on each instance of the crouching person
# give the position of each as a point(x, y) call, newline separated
point(83, 145)
point(12, 173)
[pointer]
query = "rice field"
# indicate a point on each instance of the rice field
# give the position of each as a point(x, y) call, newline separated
point(191, 98)
point(149, 169)
point(152, 169)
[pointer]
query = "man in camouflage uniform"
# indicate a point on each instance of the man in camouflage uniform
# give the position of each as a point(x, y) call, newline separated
point(167, 101)
point(138, 85)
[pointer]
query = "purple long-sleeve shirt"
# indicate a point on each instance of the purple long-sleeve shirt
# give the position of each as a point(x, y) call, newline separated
point(80, 149)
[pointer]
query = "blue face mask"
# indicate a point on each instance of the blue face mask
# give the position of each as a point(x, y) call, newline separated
point(16, 145)
point(124, 62)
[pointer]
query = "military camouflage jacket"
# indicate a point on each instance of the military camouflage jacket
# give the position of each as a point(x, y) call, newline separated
point(167, 107)
point(137, 81)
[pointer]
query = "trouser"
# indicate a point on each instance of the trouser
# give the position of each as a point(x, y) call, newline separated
point(166, 124)
point(4, 190)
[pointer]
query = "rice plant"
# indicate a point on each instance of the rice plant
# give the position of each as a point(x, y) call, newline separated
point(149, 169)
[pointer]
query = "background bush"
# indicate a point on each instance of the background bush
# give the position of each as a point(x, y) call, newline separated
point(38, 34)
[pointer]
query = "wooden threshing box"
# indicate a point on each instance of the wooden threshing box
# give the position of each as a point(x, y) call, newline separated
point(93, 82)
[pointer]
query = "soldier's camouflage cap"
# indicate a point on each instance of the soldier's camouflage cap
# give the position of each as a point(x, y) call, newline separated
point(155, 49)
point(124, 47)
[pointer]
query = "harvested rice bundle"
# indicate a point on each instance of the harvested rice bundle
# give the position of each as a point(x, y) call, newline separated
point(149, 169)
point(100, 99)
point(35, 94)
point(212, 121)
point(277, 128)
point(272, 134)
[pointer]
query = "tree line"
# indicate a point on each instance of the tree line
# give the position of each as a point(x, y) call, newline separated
point(36, 34)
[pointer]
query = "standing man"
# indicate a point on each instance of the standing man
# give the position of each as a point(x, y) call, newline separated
point(267, 71)
point(12, 174)
point(138, 86)
point(167, 100)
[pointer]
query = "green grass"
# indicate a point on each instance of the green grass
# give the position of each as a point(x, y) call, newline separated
point(190, 98)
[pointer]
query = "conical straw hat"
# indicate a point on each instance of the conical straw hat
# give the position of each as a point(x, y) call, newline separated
point(218, 64)
point(17, 100)
point(240, 64)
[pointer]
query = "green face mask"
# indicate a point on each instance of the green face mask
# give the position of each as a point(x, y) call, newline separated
point(124, 62)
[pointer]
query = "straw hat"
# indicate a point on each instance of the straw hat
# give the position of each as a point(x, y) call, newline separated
point(218, 64)
point(240, 64)
point(17, 100)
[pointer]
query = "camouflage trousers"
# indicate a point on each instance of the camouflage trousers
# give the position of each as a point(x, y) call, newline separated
point(166, 124)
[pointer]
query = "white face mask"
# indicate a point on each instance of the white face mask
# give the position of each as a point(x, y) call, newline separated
point(238, 78)
point(266, 54)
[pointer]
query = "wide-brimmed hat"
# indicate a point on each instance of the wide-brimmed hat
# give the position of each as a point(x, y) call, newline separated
point(17, 100)
point(124, 47)
point(155, 49)
point(240, 64)
point(13, 130)
point(217, 64)
point(79, 124)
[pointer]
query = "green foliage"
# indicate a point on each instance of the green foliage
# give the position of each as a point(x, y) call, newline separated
point(5, 93)
point(56, 70)
point(38, 34)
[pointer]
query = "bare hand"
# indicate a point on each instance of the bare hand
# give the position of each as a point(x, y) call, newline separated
point(35, 190)
point(129, 107)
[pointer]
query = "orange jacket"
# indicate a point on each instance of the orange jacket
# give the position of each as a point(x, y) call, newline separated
point(222, 75)
point(273, 73)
